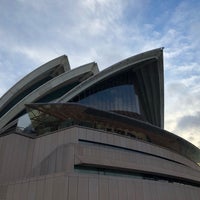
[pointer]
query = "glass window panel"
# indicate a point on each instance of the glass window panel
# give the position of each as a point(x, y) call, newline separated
point(114, 94)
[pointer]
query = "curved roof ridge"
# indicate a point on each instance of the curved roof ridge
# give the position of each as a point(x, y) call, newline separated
point(137, 58)
point(61, 60)
point(155, 103)
point(47, 88)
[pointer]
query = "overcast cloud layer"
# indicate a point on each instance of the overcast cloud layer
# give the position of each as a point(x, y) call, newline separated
point(106, 31)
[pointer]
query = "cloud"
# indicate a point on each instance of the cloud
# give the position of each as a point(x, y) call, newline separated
point(189, 121)
point(182, 113)
point(34, 32)
point(182, 72)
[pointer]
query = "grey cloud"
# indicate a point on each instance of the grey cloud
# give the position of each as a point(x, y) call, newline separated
point(189, 121)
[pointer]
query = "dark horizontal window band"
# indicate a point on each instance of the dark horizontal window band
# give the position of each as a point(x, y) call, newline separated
point(133, 174)
point(128, 149)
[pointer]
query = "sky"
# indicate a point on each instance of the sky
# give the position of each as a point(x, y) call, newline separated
point(107, 31)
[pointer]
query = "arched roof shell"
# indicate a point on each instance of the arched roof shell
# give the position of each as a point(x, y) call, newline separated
point(81, 73)
point(31, 78)
point(155, 106)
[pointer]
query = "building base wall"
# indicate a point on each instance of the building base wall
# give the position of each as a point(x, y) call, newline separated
point(82, 163)
point(99, 187)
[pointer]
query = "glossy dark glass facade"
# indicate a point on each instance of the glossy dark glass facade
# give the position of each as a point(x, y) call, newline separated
point(116, 93)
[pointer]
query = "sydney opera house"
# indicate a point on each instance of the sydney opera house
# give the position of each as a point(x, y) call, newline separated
point(99, 135)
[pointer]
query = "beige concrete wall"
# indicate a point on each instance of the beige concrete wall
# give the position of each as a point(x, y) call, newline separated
point(98, 187)
point(122, 141)
point(43, 168)
point(131, 161)
point(22, 157)
point(16, 153)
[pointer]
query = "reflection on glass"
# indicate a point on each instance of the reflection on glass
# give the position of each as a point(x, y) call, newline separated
point(24, 124)
point(119, 98)
point(114, 94)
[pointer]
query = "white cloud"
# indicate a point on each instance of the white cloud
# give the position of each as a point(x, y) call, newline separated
point(35, 53)
point(106, 32)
